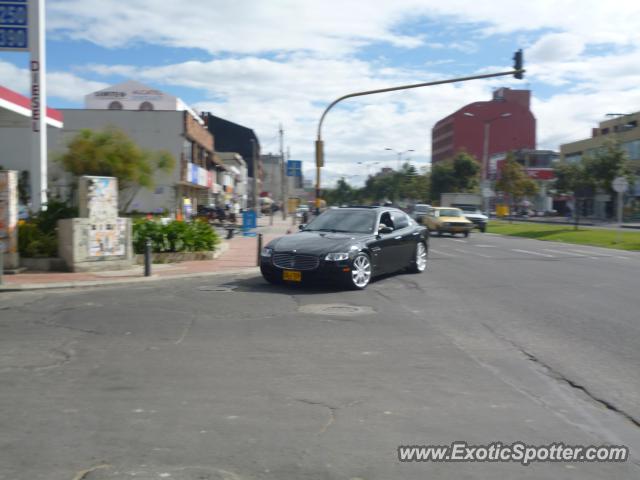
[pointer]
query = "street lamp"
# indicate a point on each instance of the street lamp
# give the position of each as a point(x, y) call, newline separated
point(399, 154)
point(484, 167)
point(369, 165)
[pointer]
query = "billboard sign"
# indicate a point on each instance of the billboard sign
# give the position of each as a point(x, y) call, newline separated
point(14, 25)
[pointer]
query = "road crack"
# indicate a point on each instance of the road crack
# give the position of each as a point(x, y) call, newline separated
point(559, 376)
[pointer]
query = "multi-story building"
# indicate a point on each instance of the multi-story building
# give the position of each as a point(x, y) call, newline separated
point(236, 192)
point(539, 165)
point(155, 121)
point(231, 137)
point(504, 123)
point(623, 129)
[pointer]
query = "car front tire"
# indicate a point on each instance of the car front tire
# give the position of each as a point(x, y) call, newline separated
point(419, 262)
point(361, 272)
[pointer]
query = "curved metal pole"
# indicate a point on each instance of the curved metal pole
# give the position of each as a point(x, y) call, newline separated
point(319, 144)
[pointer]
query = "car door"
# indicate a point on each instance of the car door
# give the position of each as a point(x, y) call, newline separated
point(382, 248)
point(406, 241)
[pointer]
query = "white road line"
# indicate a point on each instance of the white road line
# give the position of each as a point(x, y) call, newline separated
point(532, 253)
point(466, 252)
point(438, 252)
point(592, 254)
point(561, 252)
point(458, 240)
point(481, 245)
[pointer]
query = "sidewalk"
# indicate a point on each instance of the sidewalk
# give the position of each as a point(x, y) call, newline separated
point(239, 255)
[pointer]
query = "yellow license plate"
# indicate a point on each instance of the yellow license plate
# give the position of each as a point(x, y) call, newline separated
point(292, 276)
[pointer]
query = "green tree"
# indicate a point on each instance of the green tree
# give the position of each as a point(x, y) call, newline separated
point(574, 179)
point(343, 193)
point(459, 174)
point(610, 161)
point(514, 181)
point(112, 153)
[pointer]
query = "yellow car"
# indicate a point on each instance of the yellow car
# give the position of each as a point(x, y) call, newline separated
point(447, 219)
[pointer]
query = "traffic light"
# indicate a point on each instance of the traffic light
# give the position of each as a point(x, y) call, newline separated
point(518, 64)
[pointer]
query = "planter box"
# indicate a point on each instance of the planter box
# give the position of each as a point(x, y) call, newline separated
point(44, 264)
point(175, 257)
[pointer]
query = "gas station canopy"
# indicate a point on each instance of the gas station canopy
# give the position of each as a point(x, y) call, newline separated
point(15, 111)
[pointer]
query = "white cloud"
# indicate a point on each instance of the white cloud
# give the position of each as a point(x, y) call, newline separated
point(556, 47)
point(60, 85)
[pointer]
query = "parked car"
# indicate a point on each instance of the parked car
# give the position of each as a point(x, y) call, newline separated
point(474, 214)
point(419, 210)
point(447, 220)
point(348, 245)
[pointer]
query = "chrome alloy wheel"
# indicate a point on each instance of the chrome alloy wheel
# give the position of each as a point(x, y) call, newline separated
point(361, 271)
point(421, 257)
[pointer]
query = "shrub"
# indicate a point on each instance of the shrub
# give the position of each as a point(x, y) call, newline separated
point(38, 236)
point(175, 236)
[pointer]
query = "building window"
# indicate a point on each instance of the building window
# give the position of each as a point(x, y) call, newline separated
point(115, 106)
point(633, 149)
point(573, 157)
point(146, 106)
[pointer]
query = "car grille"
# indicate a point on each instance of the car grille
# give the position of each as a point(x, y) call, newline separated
point(458, 224)
point(477, 220)
point(298, 262)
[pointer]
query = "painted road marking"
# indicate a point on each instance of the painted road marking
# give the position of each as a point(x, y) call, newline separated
point(472, 253)
point(532, 253)
point(438, 252)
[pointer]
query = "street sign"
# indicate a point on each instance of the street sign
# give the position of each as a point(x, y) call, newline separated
point(14, 26)
point(620, 184)
point(294, 168)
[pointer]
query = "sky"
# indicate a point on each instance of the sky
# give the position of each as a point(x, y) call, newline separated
point(266, 63)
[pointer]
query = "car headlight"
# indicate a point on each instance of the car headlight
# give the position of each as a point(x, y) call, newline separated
point(266, 252)
point(336, 256)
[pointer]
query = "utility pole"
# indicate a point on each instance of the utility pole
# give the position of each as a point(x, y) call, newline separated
point(283, 176)
point(254, 158)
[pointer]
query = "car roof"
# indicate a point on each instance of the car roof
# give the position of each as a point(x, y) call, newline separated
point(375, 208)
point(446, 208)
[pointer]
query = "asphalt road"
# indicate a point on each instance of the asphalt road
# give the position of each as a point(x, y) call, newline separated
point(502, 339)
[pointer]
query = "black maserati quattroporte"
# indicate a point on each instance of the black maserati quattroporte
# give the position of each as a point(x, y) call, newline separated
point(348, 245)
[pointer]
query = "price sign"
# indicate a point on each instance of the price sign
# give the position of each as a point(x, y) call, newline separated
point(14, 25)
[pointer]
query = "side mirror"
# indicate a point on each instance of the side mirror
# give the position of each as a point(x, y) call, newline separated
point(302, 226)
point(385, 230)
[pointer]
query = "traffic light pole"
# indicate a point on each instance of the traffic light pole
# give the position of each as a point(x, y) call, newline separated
point(320, 143)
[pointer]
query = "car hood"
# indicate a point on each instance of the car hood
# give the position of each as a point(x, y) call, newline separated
point(316, 242)
point(454, 219)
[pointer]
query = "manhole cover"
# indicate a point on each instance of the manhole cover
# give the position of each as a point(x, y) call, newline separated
point(335, 309)
point(217, 288)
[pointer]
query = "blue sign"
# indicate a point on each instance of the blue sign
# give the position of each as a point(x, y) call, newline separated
point(249, 222)
point(294, 168)
point(14, 25)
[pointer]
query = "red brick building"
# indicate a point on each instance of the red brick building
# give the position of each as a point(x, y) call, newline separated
point(505, 121)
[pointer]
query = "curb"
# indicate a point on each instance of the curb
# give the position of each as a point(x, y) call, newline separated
point(24, 287)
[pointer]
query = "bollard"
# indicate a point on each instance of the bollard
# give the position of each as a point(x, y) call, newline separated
point(230, 231)
point(259, 248)
point(147, 258)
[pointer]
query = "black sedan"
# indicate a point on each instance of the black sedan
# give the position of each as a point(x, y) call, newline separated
point(350, 245)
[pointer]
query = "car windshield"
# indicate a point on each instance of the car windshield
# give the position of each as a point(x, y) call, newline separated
point(354, 221)
point(450, 212)
point(468, 208)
